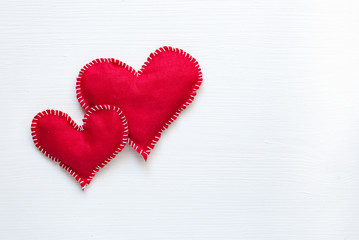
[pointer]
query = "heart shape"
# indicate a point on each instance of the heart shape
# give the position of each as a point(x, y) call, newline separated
point(81, 150)
point(152, 98)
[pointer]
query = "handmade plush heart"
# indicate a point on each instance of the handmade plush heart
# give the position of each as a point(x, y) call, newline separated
point(81, 150)
point(152, 98)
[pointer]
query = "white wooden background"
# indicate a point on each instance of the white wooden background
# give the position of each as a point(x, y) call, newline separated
point(268, 150)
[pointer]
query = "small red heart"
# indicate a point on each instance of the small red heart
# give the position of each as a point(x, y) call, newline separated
point(152, 98)
point(81, 150)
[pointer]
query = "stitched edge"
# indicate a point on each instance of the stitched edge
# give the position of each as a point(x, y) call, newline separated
point(144, 152)
point(84, 182)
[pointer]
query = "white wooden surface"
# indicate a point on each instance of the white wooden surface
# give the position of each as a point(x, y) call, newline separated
point(268, 150)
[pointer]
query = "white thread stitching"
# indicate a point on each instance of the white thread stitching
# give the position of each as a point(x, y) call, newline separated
point(143, 152)
point(80, 128)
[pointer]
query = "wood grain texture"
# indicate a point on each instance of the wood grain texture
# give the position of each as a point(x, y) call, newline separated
point(268, 150)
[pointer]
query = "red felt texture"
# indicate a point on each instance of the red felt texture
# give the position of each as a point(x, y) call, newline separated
point(81, 150)
point(152, 98)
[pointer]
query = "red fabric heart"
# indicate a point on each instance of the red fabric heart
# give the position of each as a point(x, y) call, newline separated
point(81, 150)
point(152, 98)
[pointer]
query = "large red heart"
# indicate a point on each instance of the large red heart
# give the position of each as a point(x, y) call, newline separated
point(152, 98)
point(81, 150)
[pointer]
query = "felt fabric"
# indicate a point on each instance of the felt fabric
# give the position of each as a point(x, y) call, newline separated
point(152, 98)
point(81, 150)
